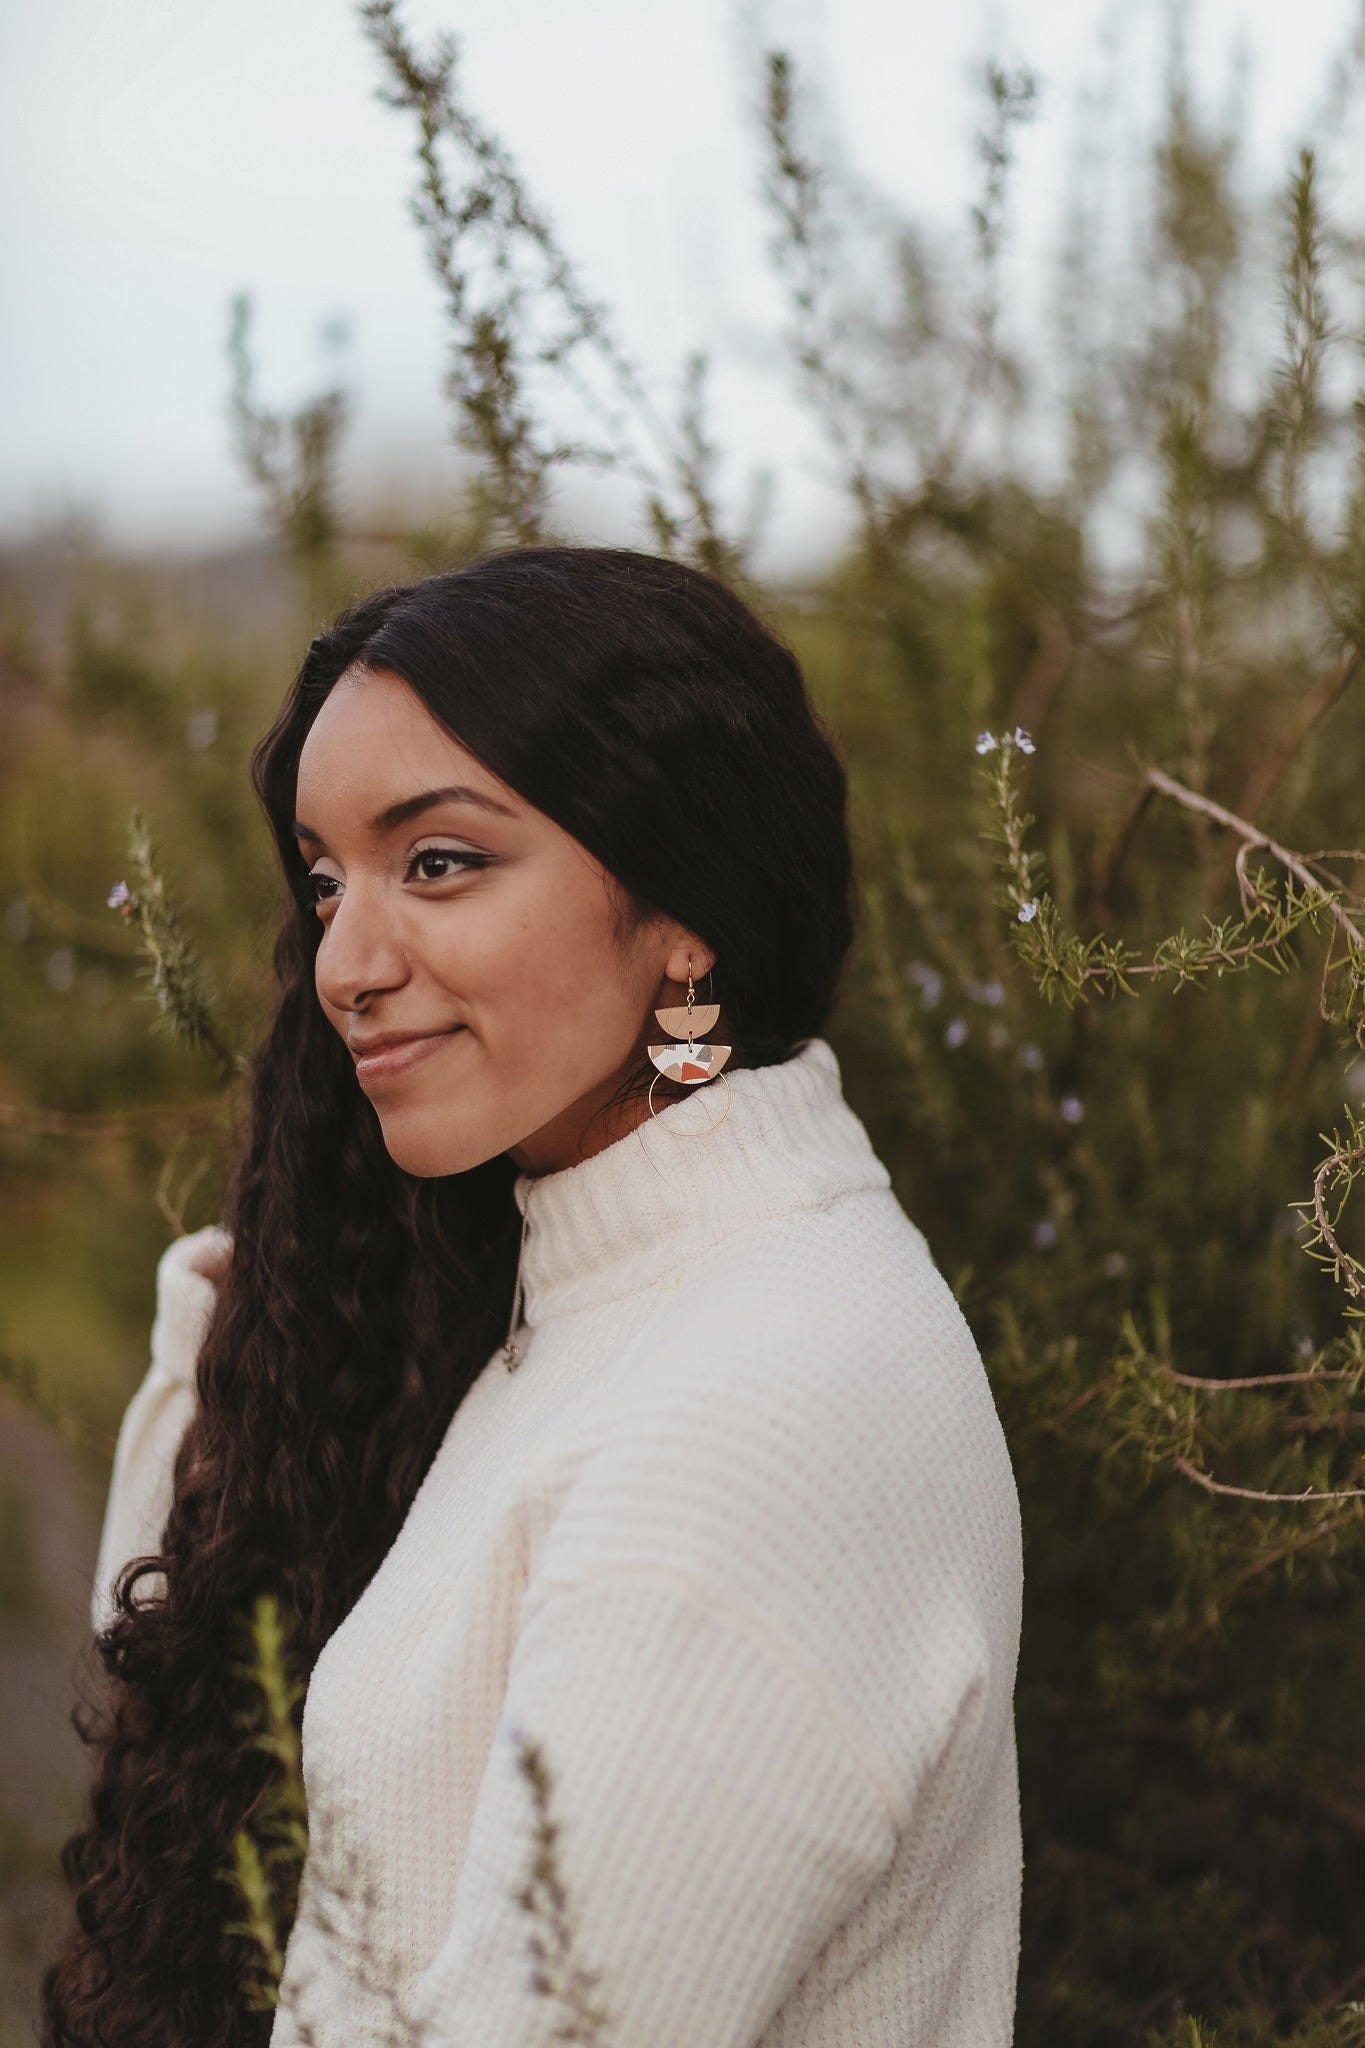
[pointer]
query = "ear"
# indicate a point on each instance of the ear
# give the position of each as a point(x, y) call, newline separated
point(687, 943)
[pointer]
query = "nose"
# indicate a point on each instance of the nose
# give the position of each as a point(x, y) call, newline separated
point(361, 954)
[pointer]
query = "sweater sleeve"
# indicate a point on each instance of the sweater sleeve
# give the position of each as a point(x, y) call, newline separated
point(714, 1825)
point(156, 1417)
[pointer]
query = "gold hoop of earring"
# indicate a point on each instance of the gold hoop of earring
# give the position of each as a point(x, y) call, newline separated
point(677, 1130)
point(691, 1063)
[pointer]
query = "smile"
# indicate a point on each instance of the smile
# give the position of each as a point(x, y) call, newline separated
point(393, 1060)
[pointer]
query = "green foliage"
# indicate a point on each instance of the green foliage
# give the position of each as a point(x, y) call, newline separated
point(291, 459)
point(176, 977)
point(532, 317)
point(268, 1855)
point(556, 1971)
point(1102, 718)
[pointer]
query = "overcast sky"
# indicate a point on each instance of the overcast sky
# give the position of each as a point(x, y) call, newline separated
point(158, 155)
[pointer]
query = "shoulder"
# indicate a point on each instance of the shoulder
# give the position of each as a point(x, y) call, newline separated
point(836, 1310)
point(188, 1274)
point(196, 1255)
point(155, 1419)
point(808, 1389)
point(805, 1440)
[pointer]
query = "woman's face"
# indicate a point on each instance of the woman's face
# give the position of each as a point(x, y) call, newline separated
point(459, 917)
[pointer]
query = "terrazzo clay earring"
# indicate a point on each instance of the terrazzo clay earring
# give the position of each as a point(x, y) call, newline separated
point(689, 1063)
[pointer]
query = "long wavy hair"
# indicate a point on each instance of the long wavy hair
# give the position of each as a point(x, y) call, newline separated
point(647, 710)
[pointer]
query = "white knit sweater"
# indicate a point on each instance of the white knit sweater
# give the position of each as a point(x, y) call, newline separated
point(738, 1546)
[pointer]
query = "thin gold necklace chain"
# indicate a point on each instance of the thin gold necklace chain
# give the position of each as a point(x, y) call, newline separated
point(511, 1351)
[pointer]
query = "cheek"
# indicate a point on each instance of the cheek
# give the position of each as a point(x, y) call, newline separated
point(550, 928)
point(548, 961)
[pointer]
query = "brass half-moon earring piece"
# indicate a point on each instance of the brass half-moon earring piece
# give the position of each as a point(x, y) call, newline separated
point(690, 1063)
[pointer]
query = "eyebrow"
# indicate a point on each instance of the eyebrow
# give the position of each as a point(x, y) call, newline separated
point(413, 806)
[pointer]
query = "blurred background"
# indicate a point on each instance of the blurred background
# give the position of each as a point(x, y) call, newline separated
point(1009, 358)
point(158, 159)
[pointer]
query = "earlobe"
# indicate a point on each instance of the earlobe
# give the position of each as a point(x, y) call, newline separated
point(691, 949)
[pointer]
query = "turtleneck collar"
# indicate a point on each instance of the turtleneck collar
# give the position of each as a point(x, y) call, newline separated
point(621, 1220)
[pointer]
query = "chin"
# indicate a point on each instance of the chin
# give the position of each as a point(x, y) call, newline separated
point(428, 1154)
point(426, 1158)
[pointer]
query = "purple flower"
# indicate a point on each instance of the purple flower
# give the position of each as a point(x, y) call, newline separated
point(992, 992)
point(118, 896)
point(927, 980)
point(956, 1032)
point(1072, 1108)
point(1029, 911)
point(59, 970)
point(1022, 740)
point(985, 741)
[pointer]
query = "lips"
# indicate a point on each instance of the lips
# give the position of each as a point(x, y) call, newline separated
point(391, 1057)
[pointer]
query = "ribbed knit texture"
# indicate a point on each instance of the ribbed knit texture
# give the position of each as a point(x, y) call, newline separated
point(738, 1545)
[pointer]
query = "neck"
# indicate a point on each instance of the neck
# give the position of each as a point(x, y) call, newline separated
point(594, 1121)
point(628, 1215)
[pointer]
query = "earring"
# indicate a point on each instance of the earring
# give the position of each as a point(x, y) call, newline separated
point(690, 1063)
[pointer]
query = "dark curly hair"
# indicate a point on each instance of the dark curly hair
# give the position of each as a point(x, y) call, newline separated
point(644, 707)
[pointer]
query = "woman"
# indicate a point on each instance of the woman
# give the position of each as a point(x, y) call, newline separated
point(570, 1380)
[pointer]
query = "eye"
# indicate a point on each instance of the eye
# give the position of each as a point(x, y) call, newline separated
point(449, 854)
point(318, 889)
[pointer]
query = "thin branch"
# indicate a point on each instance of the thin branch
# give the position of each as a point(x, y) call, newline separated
point(1290, 1548)
point(1267, 1379)
point(1191, 1471)
point(61, 1123)
point(1342, 1159)
point(1103, 889)
point(1254, 836)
